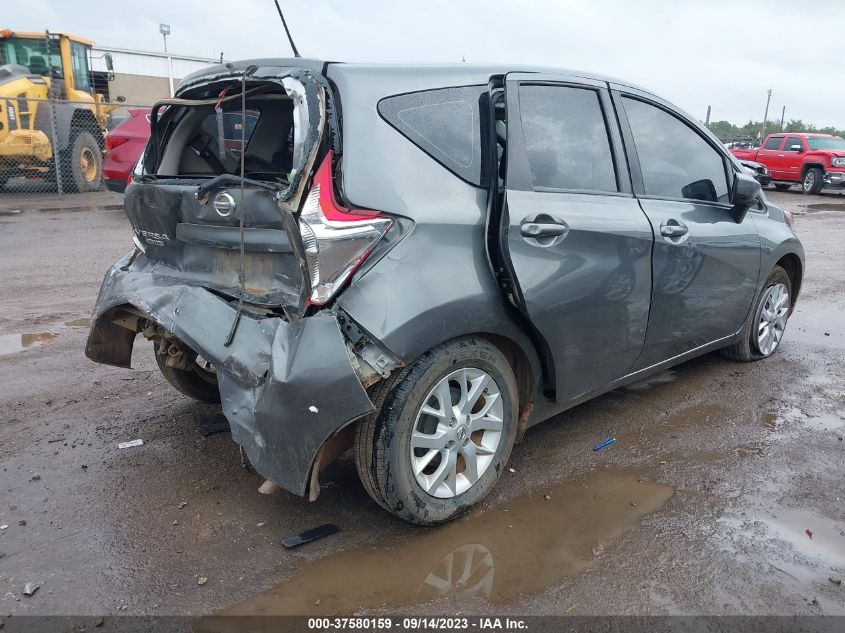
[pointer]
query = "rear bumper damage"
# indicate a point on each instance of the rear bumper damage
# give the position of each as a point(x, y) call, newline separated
point(286, 387)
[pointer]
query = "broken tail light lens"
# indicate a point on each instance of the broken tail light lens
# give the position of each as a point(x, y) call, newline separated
point(336, 239)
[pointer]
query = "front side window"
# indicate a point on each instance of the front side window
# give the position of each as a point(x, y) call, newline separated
point(566, 138)
point(676, 162)
point(773, 142)
point(81, 76)
point(39, 56)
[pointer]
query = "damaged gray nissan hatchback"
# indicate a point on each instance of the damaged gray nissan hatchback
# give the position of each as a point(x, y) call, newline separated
point(419, 263)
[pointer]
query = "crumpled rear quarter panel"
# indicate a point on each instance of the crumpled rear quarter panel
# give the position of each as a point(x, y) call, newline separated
point(285, 387)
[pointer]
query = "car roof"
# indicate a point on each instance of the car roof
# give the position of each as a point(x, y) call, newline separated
point(446, 74)
point(802, 134)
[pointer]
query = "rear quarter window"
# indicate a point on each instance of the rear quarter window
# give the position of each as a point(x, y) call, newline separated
point(445, 123)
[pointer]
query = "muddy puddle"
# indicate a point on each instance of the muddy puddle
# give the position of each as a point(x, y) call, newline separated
point(825, 206)
point(520, 547)
point(19, 342)
point(15, 343)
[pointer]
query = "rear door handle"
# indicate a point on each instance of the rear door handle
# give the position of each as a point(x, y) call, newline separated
point(542, 229)
point(673, 229)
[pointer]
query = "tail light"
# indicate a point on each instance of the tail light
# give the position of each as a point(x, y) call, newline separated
point(115, 141)
point(337, 240)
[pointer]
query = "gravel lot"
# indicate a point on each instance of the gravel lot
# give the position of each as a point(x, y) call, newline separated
point(704, 505)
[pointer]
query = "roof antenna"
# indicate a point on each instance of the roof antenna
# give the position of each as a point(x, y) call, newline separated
point(285, 24)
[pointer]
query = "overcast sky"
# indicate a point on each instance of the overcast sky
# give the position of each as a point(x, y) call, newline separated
point(725, 53)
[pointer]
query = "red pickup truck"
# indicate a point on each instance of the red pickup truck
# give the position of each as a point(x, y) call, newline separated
point(813, 160)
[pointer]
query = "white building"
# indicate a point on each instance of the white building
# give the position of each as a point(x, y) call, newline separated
point(142, 77)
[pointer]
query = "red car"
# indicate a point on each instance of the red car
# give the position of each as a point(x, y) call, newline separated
point(124, 145)
point(813, 160)
point(126, 142)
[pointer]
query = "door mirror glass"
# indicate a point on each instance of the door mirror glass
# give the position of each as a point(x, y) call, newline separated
point(109, 62)
point(795, 148)
point(746, 191)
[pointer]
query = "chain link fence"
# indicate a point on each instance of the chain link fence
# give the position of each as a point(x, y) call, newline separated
point(62, 146)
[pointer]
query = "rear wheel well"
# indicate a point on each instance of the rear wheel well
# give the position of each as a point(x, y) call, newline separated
point(525, 379)
point(791, 263)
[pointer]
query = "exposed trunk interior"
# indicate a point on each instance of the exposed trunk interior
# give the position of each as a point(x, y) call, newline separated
point(188, 203)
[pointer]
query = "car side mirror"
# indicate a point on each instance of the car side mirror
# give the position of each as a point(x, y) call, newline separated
point(796, 148)
point(746, 191)
point(109, 62)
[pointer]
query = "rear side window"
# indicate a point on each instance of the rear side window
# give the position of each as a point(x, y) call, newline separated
point(773, 143)
point(792, 140)
point(444, 123)
point(675, 161)
point(566, 138)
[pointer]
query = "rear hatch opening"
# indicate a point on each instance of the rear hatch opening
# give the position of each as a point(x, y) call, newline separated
point(203, 133)
point(187, 202)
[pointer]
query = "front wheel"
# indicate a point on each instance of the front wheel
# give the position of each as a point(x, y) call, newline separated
point(441, 434)
point(813, 181)
point(764, 329)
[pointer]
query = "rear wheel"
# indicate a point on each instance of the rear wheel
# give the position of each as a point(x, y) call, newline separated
point(813, 181)
point(441, 434)
point(764, 329)
point(782, 186)
point(82, 163)
point(199, 382)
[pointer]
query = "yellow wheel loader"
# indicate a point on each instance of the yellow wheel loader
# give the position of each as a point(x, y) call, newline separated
point(46, 93)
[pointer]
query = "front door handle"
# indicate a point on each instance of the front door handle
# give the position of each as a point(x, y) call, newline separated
point(542, 229)
point(672, 228)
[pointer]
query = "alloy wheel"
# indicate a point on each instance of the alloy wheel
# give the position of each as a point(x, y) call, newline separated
point(809, 180)
point(771, 319)
point(457, 432)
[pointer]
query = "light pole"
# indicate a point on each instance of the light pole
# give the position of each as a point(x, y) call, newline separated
point(765, 116)
point(164, 29)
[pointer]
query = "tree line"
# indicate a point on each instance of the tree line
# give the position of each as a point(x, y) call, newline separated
point(727, 131)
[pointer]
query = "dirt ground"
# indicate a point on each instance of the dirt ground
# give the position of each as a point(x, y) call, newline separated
point(723, 494)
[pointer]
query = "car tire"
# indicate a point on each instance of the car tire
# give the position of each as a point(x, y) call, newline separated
point(82, 163)
point(386, 459)
point(813, 181)
point(749, 347)
point(197, 383)
point(782, 186)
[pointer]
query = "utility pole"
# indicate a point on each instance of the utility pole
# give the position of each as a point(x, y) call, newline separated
point(766, 116)
point(707, 120)
point(782, 116)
